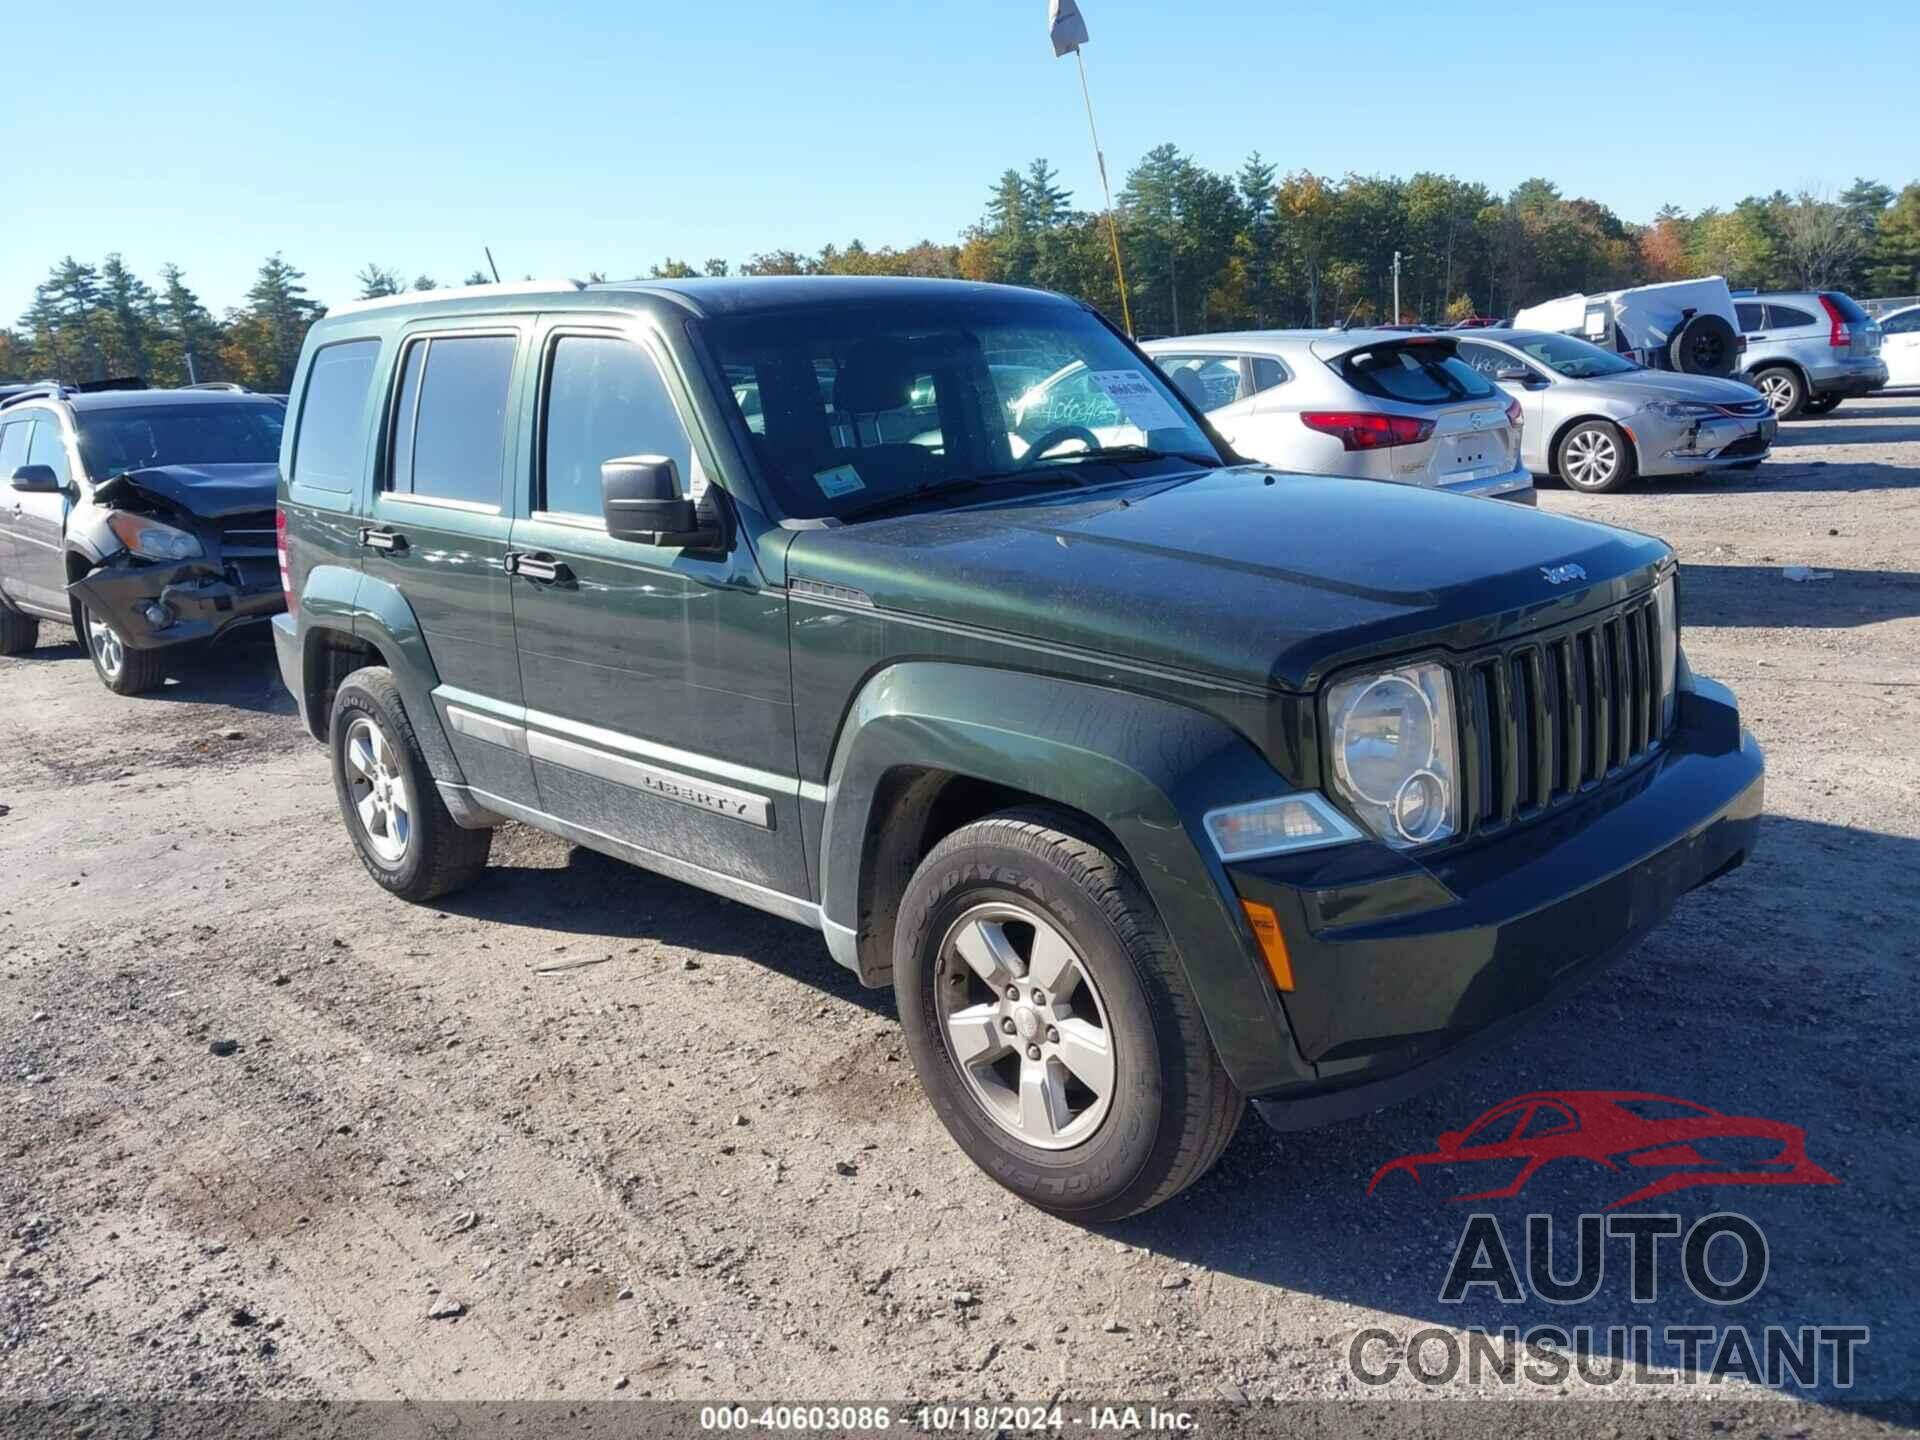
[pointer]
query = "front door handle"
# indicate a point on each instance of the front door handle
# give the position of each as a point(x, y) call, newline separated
point(388, 540)
point(537, 566)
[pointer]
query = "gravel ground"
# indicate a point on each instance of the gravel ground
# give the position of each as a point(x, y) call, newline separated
point(619, 1135)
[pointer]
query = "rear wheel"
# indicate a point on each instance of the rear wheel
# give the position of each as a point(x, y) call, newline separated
point(399, 824)
point(1595, 457)
point(1783, 390)
point(18, 633)
point(121, 668)
point(1050, 1024)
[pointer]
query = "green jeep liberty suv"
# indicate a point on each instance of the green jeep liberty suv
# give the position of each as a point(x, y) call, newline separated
point(1151, 779)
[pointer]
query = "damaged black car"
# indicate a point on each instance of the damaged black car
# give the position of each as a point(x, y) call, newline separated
point(143, 518)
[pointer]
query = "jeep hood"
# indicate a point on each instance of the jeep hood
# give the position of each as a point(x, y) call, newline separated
point(1239, 573)
point(208, 491)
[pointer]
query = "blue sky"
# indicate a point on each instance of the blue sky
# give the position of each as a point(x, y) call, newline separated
point(605, 136)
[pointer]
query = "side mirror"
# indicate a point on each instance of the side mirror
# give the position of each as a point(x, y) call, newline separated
point(641, 500)
point(36, 480)
point(1514, 375)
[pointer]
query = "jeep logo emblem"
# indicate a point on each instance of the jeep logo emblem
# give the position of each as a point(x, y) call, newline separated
point(1561, 574)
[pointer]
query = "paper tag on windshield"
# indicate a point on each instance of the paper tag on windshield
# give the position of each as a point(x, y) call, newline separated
point(1138, 400)
point(840, 480)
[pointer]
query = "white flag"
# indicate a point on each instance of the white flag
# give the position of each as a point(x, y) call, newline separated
point(1065, 27)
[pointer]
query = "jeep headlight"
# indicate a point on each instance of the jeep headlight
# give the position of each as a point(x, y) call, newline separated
point(1396, 754)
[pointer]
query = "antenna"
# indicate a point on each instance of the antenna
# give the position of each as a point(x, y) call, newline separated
point(490, 265)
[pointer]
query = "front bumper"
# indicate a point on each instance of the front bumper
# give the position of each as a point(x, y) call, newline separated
point(1688, 447)
point(1399, 964)
point(155, 606)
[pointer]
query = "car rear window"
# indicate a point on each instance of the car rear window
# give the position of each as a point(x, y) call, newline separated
point(1413, 374)
point(329, 448)
point(1848, 307)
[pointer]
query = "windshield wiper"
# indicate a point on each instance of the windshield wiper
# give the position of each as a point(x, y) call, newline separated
point(1132, 452)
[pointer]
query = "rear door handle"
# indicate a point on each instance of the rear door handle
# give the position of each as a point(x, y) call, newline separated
point(389, 540)
point(537, 567)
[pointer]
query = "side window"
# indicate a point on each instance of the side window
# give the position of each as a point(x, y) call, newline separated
point(1209, 381)
point(1267, 373)
point(1546, 1120)
point(1753, 318)
point(1484, 358)
point(13, 447)
point(329, 449)
point(605, 399)
point(1905, 323)
point(450, 429)
point(49, 449)
point(1782, 317)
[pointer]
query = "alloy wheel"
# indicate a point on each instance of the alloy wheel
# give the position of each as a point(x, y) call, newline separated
point(1592, 459)
point(108, 649)
point(379, 791)
point(1025, 1025)
point(1778, 392)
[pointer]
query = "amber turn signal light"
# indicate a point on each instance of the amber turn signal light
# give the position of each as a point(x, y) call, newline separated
point(1273, 945)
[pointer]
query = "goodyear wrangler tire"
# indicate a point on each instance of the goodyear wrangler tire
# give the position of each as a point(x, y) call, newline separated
point(1050, 1023)
point(398, 823)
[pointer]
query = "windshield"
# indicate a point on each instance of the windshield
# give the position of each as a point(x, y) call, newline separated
point(1571, 357)
point(140, 436)
point(853, 407)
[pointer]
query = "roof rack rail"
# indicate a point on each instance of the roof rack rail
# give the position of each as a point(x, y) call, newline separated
point(39, 390)
point(456, 292)
point(229, 386)
point(117, 382)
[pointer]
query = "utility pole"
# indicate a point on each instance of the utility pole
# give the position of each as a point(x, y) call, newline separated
point(1396, 287)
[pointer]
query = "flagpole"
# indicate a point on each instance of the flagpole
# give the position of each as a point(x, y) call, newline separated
point(1113, 228)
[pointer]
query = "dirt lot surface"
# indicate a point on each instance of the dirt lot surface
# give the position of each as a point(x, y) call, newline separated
point(696, 1163)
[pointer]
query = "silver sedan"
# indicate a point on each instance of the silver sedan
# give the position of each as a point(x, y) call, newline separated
point(1597, 420)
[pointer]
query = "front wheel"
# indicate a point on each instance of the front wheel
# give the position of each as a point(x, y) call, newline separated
point(1822, 404)
point(1050, 1023)
point(1595, 457)
point(1783, 390)
point(121, 668)
point(399, 824)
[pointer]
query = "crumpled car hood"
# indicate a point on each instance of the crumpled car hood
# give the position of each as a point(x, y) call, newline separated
point(208, 491)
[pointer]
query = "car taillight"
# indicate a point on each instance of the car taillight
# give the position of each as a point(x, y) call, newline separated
point(286, 568)
point(1839, 333)
point(1516, 417)
point(1364, 430)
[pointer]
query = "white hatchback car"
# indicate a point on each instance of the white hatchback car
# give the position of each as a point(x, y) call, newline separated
point(1374, 404)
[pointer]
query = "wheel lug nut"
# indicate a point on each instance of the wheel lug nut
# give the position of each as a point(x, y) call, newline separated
point(1033, 1052)
point(1013, 992)
point(1007, 1025)
point(1039, 998)
point(1053, 1036)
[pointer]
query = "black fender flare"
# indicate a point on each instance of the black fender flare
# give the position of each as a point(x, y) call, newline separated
point(1145, 769)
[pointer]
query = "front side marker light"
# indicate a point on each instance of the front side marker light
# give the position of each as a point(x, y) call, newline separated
point(1273, 945)
point(1277, 826)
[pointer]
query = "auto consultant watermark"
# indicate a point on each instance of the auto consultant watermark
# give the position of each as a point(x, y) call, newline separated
point(1608, 1258)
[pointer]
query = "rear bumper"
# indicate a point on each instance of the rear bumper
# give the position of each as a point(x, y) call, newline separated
point(1400, 966)
point(1848, 378)
point(286, 650)
point(1515, 484)
point(156, 607)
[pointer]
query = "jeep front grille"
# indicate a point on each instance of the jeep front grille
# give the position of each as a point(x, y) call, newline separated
point(1551, 717)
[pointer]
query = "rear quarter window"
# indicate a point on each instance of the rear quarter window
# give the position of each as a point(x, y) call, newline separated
point(329, 446)
point(1786, 317)
point(1413, 375)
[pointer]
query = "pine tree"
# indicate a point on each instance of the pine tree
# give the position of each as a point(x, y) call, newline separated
point(377, 282)
point(126, 319)
point(1046, 203)
point(190, 347)
point(266, 335)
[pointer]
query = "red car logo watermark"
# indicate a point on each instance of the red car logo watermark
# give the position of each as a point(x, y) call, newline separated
point(1676, 1144)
